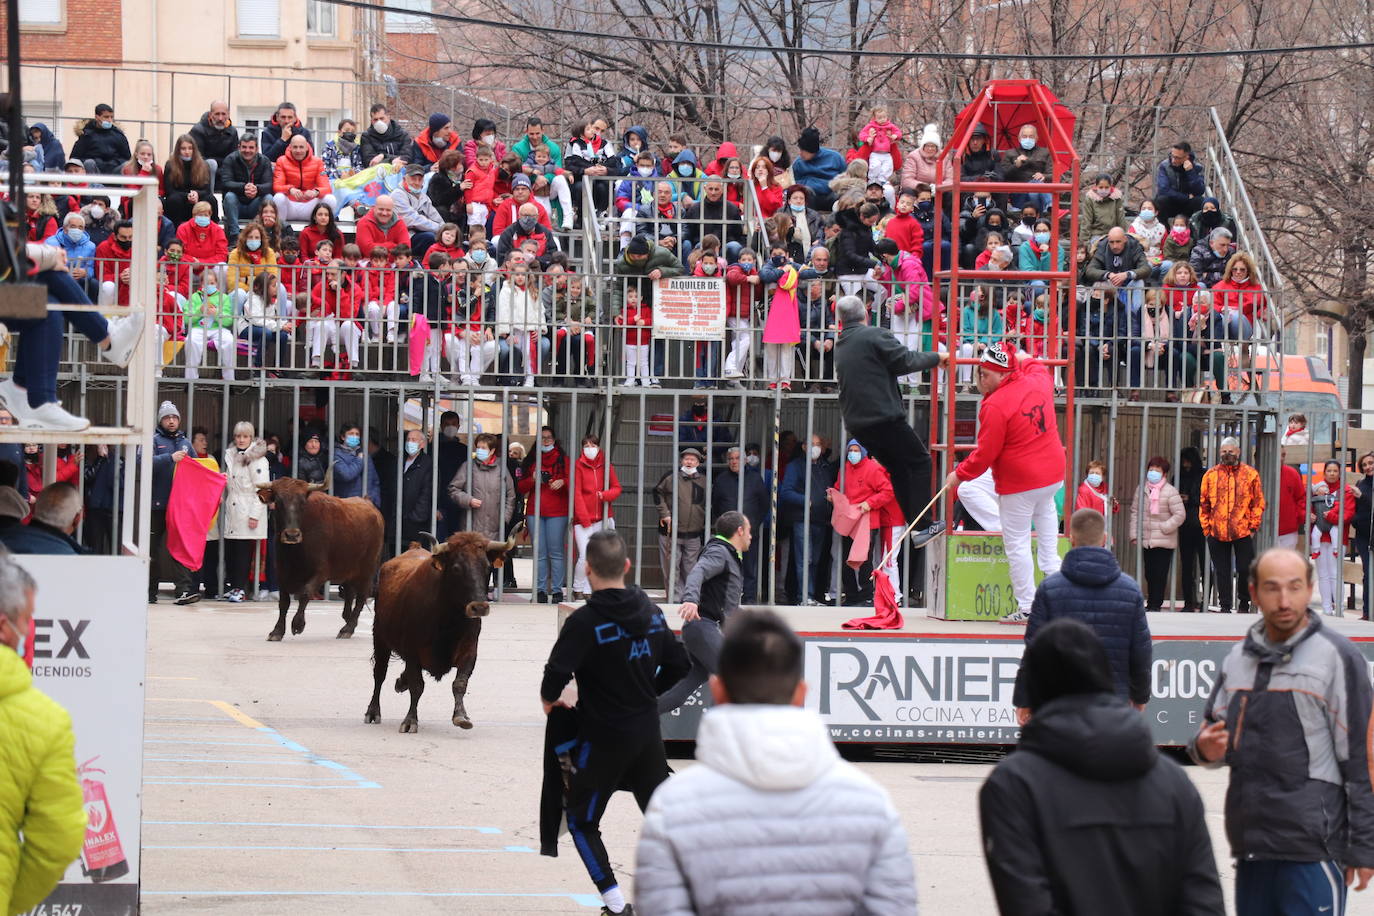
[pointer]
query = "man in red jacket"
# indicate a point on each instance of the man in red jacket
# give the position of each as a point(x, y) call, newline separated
point(1292, 494)
point(381, 226)
point(1018, 437)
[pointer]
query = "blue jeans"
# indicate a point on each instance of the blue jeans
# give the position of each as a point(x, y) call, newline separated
point(420, 242)
point(236, 209)
point(550, 563)
point(264, 339)
point(813, 569)
point(1278, 888)
point(40, 348)
point(707, 354)
point(64, 288)
point(1040, 201)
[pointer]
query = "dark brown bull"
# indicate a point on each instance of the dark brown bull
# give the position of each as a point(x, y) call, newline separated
point(321, 538)
point(430, 605)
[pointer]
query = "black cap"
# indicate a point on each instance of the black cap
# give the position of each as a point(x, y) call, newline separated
point(639, 245)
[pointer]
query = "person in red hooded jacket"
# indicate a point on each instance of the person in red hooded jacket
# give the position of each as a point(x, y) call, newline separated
point(868, 486)
point(595, 488)
point(1292, 494)
point(546, 500)
point(1018, 437)
point(744, 291)
point(334, 304)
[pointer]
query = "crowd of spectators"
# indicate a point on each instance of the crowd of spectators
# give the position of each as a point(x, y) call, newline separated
point(471, 242)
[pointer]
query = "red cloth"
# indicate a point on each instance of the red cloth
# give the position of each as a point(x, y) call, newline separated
point(1018, 433)
point(193, 503)
point(783, 323)
point(850, 521)
point(907, 233)
point(591, 504)
point(886, 616)
point(1293, 500)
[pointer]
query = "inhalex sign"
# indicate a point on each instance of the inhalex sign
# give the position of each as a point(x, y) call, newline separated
point(951, 690)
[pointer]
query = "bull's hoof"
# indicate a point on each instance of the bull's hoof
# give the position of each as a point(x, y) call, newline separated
point(274, 636)
point(346, 632)
point(409, 726)
point(372, 716)
point(297, 626)
point(462, 721)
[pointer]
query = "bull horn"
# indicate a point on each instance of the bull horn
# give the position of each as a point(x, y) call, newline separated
point(322, 485)
point(263, 486)
point(439, 549)
point(514, 534)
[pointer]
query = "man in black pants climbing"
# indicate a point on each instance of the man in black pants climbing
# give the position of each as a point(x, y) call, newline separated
point(868, 361)
point(613, 645)
point(709, 596)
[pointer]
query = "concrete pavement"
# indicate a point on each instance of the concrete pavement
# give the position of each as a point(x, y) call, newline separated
point(266, 793)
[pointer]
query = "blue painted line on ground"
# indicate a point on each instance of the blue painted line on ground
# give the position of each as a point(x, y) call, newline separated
point(234, 777)
point(276, 762)
point(588, 900)
point(250, 785)
point(489, 830)
point(260, 746)
point(498, 849)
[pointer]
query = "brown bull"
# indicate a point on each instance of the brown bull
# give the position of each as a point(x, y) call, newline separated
point(321, 538)
point(430, 605)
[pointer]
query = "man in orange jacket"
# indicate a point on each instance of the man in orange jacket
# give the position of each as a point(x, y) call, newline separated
point(1230, 508)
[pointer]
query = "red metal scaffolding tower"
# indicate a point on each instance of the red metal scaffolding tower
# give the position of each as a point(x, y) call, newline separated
point(1004, 107)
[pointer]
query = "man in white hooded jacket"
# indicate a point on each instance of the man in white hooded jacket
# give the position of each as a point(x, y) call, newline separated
point(770, 820)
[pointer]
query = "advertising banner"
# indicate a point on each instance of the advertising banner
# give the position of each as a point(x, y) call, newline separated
point(971, 578)
point(958, 690)
point(90, 618)
point(689, 308)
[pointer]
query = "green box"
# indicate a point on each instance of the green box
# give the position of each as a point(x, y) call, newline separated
point(970, 577)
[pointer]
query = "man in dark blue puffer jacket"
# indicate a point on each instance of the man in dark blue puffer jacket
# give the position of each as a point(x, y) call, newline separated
point(1091, 587)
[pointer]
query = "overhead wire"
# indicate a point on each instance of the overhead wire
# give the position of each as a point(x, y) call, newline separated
point(754, 47)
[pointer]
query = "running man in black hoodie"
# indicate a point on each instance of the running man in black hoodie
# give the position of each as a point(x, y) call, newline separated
point(622, 653)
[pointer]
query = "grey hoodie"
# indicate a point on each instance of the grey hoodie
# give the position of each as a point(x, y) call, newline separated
point(771, 820)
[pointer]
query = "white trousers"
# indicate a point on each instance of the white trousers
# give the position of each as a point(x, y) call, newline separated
point(879, 167)
point(375, 310)
point(907, 329)
point(893, 567)
point(1328, 562)
point(854, 284)
point(469, 360)
point(637, 364)
point(777, 362)
point(197, 340)
point(291, 210)
point(581, 535)
point(979, 497)
point(1018, 512)
point(1290, 541)
point(737, 360)
point(965, 371)
point(477, 214)
point(320, 331)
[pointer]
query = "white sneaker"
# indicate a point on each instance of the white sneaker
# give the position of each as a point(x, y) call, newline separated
point(125, 333)
point(567, 223)
point(443, 381)
point(425, 379)
point(16, 400)
point(51, 416)
point(529, 382)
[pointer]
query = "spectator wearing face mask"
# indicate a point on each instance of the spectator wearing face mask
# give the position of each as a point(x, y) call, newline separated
point(101, 145)
point(481, 492)
point(384, 139)
point(430, 143)
point(351, 465)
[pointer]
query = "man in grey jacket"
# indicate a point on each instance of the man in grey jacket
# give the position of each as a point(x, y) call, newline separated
point(1299, 808)
point(709, 596)
point(770, 820)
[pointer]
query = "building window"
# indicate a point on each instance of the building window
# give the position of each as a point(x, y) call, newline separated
point(253, 119)
point(40, 12)
point(322, 126)
point(259, 18)
point(320, 19)
point(400, 22)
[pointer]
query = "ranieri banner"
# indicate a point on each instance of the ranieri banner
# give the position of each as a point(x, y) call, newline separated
point(958, 690)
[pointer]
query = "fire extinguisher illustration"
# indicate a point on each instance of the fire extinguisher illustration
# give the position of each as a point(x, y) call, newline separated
point(102, 856)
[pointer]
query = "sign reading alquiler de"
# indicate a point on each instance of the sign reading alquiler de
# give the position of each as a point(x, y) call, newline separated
point(689, 308)
point(957, 689)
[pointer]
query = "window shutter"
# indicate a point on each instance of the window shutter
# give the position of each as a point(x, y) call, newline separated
point(40, 12)
point(259, 18)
